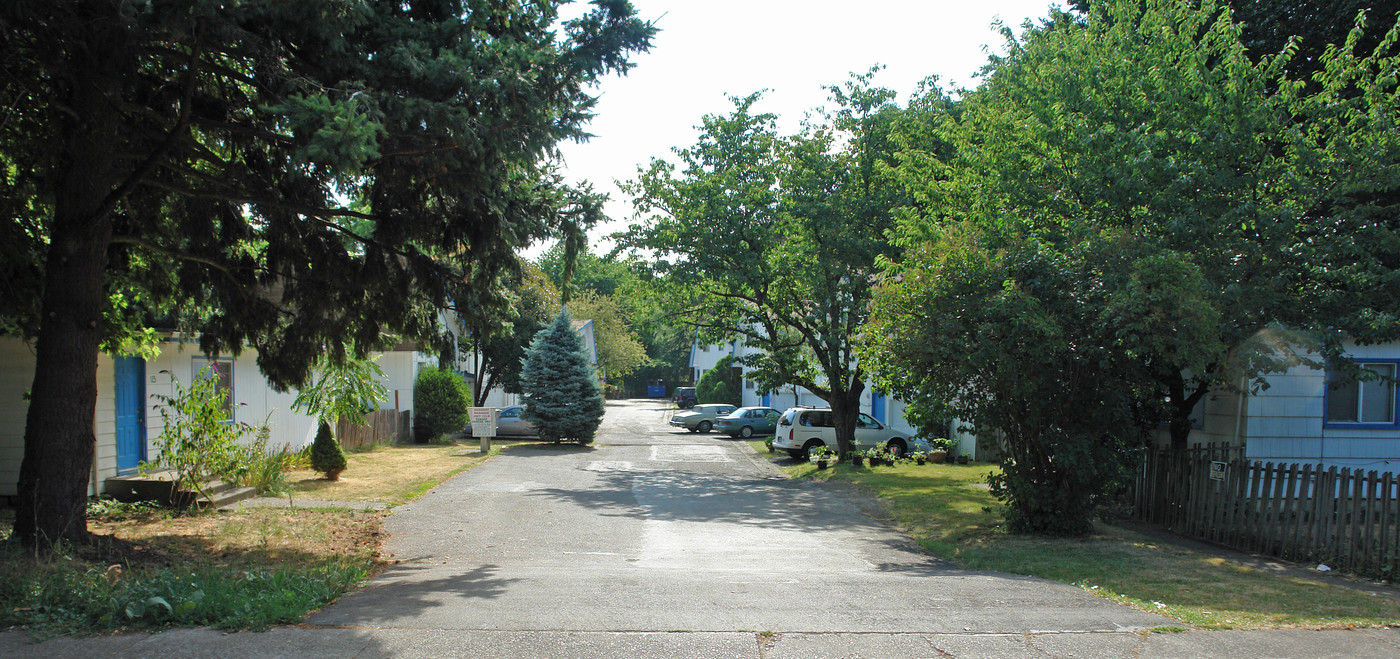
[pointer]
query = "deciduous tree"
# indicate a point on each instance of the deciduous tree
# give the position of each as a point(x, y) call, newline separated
point(1221, 219)
point(776, 238)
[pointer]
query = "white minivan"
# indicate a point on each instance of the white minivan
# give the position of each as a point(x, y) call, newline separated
point(802, 429)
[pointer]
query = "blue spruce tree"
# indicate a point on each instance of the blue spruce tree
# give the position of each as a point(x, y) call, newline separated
point(562, 396)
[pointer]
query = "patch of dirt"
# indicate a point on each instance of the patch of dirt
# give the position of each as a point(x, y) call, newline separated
point(260, 537)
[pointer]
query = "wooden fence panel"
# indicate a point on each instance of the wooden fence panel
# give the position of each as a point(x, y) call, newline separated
point(380, 427)
point(1347, 519)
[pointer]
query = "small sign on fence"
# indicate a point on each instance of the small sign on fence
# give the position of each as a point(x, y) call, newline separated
point(1217, 470)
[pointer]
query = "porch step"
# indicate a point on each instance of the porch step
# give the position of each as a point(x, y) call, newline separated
point(227, 496)
point(159, 486)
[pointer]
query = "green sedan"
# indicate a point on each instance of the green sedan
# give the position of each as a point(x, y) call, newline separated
point(749, 421)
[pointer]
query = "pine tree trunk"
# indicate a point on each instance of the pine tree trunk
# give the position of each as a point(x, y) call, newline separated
point(59, 436)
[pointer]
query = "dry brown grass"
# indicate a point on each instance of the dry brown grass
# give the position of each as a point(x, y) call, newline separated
point(396, 473)
point(257, 537)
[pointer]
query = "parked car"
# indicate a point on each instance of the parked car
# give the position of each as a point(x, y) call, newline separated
point(749, 421)
point(510, 422)
point(802, 429)
point(684, 397)
point(700, 418)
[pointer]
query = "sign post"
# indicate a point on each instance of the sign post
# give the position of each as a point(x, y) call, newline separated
point(484, 425)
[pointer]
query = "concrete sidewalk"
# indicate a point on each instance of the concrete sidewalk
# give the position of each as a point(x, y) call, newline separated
point(343, 642)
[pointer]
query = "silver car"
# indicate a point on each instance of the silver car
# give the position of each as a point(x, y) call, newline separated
point(701, 417)
point(510, 422)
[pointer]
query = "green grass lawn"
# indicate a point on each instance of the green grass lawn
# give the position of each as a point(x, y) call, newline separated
point(950, 512)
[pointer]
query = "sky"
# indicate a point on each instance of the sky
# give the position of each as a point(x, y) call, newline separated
point(708, 49)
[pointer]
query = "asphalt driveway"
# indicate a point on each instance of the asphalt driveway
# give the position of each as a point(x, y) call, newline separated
point(657, 542)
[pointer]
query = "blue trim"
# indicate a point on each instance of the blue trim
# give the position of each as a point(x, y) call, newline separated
point(1363, 425)
point(766, 400)
point(877, 406)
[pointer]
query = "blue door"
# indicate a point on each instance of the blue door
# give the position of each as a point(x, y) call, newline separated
point(877, 407)
point(131, 412)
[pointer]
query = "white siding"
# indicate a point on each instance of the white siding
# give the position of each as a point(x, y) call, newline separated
point(16, 376)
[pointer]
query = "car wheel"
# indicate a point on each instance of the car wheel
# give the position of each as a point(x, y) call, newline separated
point(704, 426)
point(896, 447)
point(810, 446)
point(746, 432)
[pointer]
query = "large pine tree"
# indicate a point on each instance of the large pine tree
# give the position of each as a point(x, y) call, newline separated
point(291, 176)
point(562, 396)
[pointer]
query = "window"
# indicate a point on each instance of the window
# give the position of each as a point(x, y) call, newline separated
point(222, 371)
point(1370, 402)
point(748, 384)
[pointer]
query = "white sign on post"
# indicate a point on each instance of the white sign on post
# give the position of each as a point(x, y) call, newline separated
point(484, 425)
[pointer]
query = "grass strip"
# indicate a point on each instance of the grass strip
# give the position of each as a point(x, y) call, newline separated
point(950, 512)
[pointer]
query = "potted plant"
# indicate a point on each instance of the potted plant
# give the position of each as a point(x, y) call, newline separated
point(876, 456)
point(939, 448)
point(821, 456)
point(857, 458)
point(920, 458)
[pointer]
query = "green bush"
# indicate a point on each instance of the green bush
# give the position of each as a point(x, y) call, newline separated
point(440, 402)
point(721, 384)
point(198, 441)
point(326, 456)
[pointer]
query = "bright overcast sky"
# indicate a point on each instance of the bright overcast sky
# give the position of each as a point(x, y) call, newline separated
point(709, 48)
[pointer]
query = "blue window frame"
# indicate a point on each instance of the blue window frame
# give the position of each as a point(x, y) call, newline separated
point(1351, 403)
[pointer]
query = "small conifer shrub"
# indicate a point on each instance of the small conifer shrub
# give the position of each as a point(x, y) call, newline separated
point(326, 456)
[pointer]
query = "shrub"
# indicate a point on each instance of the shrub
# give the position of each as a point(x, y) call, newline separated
point(198, 442)
point(326, 456)
point(562, 395)
point(721, 384)
point(440, 402)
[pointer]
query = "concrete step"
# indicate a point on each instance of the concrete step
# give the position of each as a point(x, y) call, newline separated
point(158, 485)
point(228, 496)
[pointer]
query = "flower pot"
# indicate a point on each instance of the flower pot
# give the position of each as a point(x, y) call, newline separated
point(937, 456)
point(821, 464)
point(919, 460)
point(857, 461)
point(962, 459)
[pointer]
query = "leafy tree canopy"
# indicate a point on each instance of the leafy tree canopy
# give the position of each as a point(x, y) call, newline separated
point(1134, 203)
point(620, 352)
point(776, 237)
point(498, 346)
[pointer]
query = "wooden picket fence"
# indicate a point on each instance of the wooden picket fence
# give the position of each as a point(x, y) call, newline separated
point(380, 427)
point(1342, 518)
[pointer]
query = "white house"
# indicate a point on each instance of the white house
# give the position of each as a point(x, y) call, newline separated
point(128, 390)
point(1299, 418)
